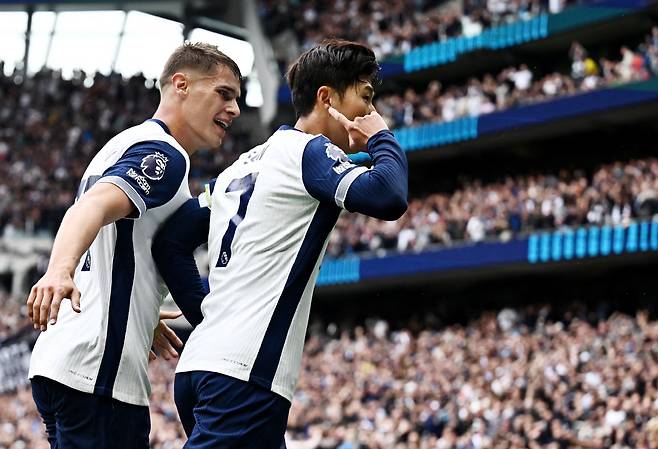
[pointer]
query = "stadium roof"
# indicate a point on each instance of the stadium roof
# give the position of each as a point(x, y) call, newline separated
point(124, 37)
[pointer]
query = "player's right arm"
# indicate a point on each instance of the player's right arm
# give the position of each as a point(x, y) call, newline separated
point(126, 189)
point(173, 252)
point(103, 204)
point(380, 191)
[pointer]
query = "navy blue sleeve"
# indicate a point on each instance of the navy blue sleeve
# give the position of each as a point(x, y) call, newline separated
point(150, 173)
point(172, 250)
point(327, 172)
point(381, 192)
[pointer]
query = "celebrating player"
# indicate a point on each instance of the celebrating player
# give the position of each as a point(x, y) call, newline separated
point(271, 215)
point(89, 371)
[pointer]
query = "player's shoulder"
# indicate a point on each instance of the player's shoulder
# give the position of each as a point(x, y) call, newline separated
point(152, 135)
point(290, 139)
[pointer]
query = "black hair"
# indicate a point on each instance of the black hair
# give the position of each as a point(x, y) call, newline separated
point(335, 63)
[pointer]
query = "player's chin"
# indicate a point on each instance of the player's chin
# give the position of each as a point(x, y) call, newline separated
point(217, 137)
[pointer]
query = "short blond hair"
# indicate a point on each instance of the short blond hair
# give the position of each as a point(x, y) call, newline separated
point(197, 56)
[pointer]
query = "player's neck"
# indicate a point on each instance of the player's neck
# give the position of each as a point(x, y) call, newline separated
point(176, 129)
point(312, 124)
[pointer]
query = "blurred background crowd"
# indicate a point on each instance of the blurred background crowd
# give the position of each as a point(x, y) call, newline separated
point(51, 127)
point(536, 376)
point(389, 28)
point(518, 86)
point(614, 194)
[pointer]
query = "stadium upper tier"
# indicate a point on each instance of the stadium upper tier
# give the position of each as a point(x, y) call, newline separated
point(390, 28)
point(522, 85)
point(590, 21)
point(516, 222)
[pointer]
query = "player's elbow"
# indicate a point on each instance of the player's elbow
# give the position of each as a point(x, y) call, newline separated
point(397, 207)
point(394, 206)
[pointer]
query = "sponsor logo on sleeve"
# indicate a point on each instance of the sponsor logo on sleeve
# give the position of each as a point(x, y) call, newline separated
point(342, 162)
point(154, 165)
point(140, 180)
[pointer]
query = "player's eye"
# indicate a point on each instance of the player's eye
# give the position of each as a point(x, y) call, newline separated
point(226, 95)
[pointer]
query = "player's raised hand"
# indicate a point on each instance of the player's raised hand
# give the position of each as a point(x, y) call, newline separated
point(46, 297)
point(165, 339)
point(361, 128)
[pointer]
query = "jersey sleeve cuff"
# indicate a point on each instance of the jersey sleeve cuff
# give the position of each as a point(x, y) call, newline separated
point(205, 199)
point(130, 192)
point(345, 183)
point(374, 138)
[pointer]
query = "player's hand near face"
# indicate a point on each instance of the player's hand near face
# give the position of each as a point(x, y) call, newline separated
point(361, 128)
point(165, 339)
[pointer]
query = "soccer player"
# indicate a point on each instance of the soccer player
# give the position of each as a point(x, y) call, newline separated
point(271, 215)
point(89, 366)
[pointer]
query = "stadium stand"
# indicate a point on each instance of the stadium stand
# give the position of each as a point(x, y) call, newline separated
point(534, 376)
point(616, 194)
point(390, 28)
point(517, 86)
point(513, 306)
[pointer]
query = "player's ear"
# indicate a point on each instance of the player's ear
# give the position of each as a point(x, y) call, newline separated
point(323, 97)
point(180, 82)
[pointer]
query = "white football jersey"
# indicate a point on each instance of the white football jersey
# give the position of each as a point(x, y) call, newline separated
point(104, 349)
point(271, 215)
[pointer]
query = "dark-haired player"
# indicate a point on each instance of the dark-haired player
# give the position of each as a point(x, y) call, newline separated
point(271, 215)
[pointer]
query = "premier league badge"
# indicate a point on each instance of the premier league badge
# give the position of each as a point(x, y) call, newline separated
point(154, 165)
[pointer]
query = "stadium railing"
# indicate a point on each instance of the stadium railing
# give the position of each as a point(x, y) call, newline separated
point(519, 32)
point(561, 245)
point(522, 118)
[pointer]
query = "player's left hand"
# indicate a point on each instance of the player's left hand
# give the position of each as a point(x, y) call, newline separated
point(164, 338)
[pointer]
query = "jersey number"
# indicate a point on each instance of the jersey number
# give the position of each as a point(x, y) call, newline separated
point(246, 186)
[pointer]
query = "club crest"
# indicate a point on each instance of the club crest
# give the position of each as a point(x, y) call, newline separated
point(335, 153)
point(154, 165)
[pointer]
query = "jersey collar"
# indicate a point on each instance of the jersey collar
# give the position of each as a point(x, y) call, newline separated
point(288, 128)
point(161, 123)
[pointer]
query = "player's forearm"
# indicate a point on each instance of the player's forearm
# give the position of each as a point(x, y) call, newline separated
point(103, 204)
point(77, 231)
point(381, 192)
point(172, 250)
point(181, 275)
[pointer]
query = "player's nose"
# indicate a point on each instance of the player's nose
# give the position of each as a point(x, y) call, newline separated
point(233, 109)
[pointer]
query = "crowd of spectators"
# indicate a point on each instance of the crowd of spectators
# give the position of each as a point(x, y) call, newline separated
point(389, 27)
point(513, 379)
point(50, 128)
point(527, 377)
point(614, 194)
point(13, 318)
point(517, 86)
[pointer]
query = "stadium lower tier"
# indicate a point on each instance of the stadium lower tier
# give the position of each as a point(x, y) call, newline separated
point(535, 376)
